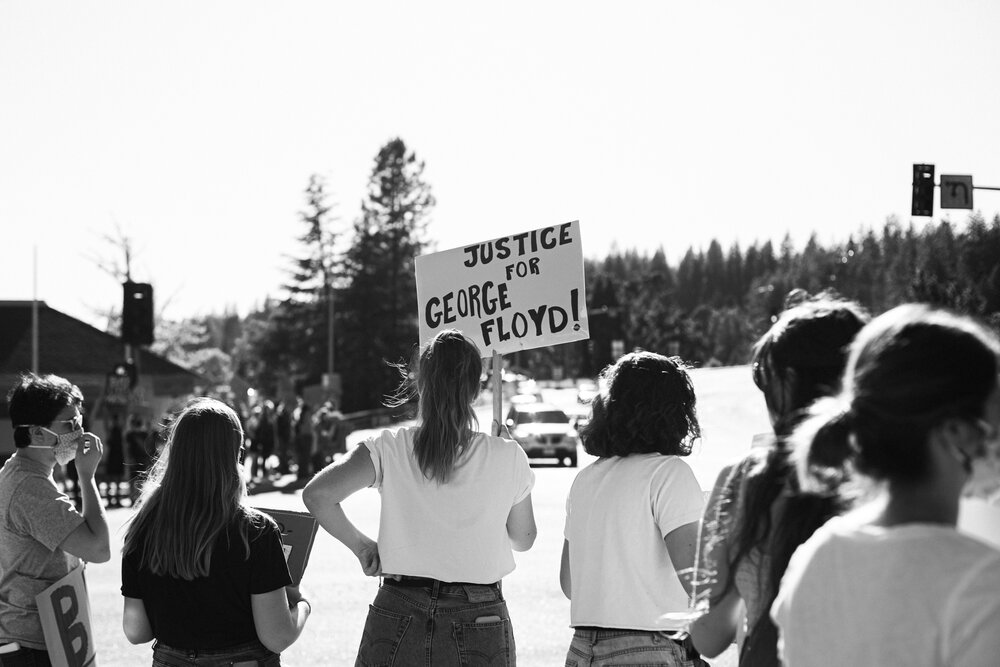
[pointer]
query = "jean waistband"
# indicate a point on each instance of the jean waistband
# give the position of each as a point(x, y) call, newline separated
point(595, 633)
point(407, 581)
point(208, 653)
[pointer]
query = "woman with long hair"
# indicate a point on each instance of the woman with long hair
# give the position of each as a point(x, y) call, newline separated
point(756, 515)
point(454, 504)
point(632, 519)
point(893, 582)
point(202, 573)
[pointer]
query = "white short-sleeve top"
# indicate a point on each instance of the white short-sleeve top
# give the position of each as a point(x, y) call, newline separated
point(618, 512)
point(915, 594)
point(456, 531)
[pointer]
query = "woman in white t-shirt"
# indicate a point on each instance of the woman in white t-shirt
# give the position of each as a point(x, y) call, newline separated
point(893, 582)
point(454, 504)
point(632, 519)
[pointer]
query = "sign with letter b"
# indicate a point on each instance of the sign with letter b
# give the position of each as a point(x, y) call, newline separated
point(65, 614)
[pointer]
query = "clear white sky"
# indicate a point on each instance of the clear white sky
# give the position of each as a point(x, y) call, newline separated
point(195, 126)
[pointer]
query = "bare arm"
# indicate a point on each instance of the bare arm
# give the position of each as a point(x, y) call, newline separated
point(682, 545)
point(521, 525)
point(713, 632)
point(331, 486)
point(135, 622)
point(91, 540)
point(279, 617)
point(565, 582)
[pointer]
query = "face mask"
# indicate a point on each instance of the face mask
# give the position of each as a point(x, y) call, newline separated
point(983, 468)
point(65, 447)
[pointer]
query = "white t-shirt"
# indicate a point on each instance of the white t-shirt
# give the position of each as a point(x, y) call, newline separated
point(618, 511)
point(455, 531)
point(916, 594)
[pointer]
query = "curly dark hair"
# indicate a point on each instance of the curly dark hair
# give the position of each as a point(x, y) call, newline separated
point(648, 406)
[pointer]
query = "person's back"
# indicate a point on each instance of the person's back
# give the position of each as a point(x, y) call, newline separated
point(919, 417)
point(455, 503)
point(925, 588)
point(756, 515)
point(202, 574)
point(213, 611)
point(632, 519)
point(455, 531)
point(620, 508)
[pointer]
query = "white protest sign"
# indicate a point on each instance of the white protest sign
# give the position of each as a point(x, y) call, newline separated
point(64, 611)
point(509, 293)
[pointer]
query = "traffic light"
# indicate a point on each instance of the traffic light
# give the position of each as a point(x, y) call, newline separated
point(137, 314)
point(923, 190)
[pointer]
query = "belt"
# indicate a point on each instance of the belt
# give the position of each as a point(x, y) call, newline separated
point(600, 632)
point(428, 582)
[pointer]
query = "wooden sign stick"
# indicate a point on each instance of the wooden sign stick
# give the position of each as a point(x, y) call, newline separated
point(497, 392)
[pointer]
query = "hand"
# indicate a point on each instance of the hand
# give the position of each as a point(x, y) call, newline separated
point(294, 594)
point(368, 557)
point(88, 455)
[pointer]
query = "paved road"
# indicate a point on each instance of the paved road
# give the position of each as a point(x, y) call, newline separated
point(730, 410)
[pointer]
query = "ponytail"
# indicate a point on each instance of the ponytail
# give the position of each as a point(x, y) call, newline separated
point(824, 446)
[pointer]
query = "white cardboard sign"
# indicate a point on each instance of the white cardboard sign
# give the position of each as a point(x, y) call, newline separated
point(510, 293)
point(64, 610)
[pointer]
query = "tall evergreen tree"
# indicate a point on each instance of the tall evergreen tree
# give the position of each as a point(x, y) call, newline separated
point(381, 295)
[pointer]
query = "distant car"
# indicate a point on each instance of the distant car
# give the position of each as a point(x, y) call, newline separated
point(586, 391)
point(543, 431)
point(525, 398)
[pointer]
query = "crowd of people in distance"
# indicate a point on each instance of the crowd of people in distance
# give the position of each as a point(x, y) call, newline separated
point(293, 437)
point(833, 541)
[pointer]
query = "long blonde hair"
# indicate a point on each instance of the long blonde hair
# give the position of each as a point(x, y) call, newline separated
point(193, 495)
point(446, 382)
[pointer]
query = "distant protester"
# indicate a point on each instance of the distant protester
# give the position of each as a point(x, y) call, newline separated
point(893, 582)
point(756, 515)
point(454, 503)
point(203, 573)
point(42, 535)
point(632, 519)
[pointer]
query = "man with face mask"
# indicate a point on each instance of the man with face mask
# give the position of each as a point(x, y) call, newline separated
point(42, 535)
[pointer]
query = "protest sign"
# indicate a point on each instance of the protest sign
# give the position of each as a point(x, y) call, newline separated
point(510, 293)
point(298, 530)
point(64, 611)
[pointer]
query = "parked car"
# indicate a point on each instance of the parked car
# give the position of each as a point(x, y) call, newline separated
point(543, 431)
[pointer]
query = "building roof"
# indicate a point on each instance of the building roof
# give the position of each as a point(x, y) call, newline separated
point(67, 346)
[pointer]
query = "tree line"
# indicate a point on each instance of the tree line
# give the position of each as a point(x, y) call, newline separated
point(712, 306)
point(348, 303)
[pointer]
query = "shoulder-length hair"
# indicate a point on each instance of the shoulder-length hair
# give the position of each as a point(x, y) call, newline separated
point(648, 406)
point(193, 495)
point(445, 381)
point(799, 359)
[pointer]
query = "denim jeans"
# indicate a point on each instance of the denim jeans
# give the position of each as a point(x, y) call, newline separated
point(607, 648)
point(25, 657)
point(252, 654)
point(437, 625)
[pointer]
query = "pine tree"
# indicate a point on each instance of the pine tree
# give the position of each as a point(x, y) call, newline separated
point(381, 295)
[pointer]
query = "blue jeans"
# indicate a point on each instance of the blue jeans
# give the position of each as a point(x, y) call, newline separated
point(437, 624)
point(252, 654)
point(593, 647)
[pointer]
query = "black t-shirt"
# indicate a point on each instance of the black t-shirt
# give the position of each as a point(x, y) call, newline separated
point(212, 612)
